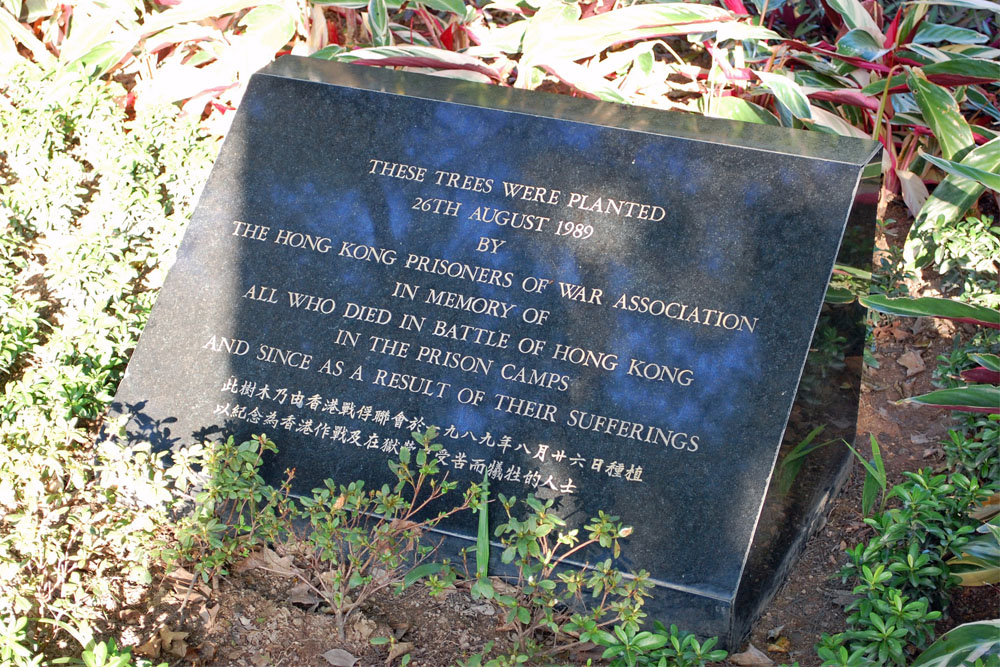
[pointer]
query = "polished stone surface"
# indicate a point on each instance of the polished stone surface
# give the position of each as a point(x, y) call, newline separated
point(359, 267)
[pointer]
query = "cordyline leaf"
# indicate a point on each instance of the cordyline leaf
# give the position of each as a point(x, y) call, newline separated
point(981, 375)
point(378, 22)
point(988, 371)
point(9, 23)
point(942, 114)
point(950, 73)
point(913, 16)
point(984, 398)
point(854, 98)
point(584, 38)
point(988, 5)
point(356, 4)
point(405, 35)
point(962, 645)
point(626, 59)
point(456, 7)
point(550, 19)
point(507, 39)
point(415, 56)
point(735, 108)
point(914, 191)
point(984, 574)
point(976, 98)
point(328, 52)
point(987, 509)
point(583, 80)
point(94, 28)
point(852, 271)
point(860, 44)
point(990, 361)
point(838, 295)
point(962, 71)
point(101, 58)
point(268, 27)
point(788, 92)
point(950, 200)
point(930, 33)
point(856, 17)
point(929, 306)
point(985, 178)
point(861, 63)
point(190, 12)
point(824, 121)
point(743, 31)
point(736, 7)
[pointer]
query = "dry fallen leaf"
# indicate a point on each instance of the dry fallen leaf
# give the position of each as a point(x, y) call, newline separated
point(302, 594)
point(361, 628)
point(267, 559)
point(183, 597)
point(180, 576)
point(399, 650)
point(339, 658)
point(502, 587)
point(751, 656)
point(912, 361)
point(173, 642)
point(208, 616)
point(150, 649)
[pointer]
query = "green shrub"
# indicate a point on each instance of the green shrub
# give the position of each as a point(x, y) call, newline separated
point(975, 449)
point(359, 541)
point(93, 206)
point(901, 574)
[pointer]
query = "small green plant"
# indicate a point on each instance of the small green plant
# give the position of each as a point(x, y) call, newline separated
point(891, 273)
point(911, 541)
point(235, 510)
point(16, 646)
point(360, 541)
point(902, 572)
point(975, 449)
point(536, 546)
point(18, 650)
point(627, 647)
point(545, 599)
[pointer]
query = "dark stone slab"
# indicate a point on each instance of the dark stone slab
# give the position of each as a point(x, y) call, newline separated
point(651, 364)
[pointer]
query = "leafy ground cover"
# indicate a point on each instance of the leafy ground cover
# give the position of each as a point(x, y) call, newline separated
point(110, 114)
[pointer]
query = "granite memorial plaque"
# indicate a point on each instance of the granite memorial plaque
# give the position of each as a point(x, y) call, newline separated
point(604, 305)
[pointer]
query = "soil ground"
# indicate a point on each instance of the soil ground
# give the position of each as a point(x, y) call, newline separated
point(253, 619)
